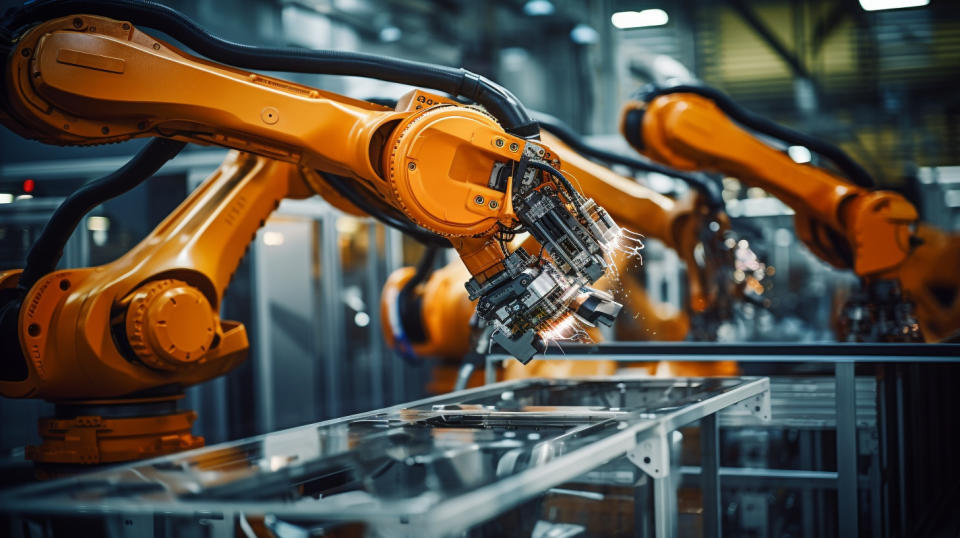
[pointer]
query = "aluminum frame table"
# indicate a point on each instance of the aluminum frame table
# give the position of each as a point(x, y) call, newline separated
point(594, 421)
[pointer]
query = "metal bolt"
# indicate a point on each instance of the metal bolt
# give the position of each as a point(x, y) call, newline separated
point(156, 46)
point(77, 22)
point(478, 199)
point(412, 166)
point(105, 130)
point(125, 26)
point(500, 142)
point(494, 204)
point(514, 146)
point(25, 52)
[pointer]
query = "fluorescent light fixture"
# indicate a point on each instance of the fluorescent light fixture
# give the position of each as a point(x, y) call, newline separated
point(5, 198)
point(879, 5)
point(583, 34)
point(799, 154)
point(273, 239)
point(538, 8)
point(639, 19)
point(390, 34)
point(98, 224)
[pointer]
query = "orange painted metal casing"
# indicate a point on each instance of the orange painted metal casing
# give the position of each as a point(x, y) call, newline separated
point(690, 132)
point(119, 329)
point(875, 233)
point(93, 439)
point(69, 319)
point(446, 309)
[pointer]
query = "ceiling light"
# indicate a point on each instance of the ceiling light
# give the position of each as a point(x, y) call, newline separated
point(583, 34)
point(538, 8)
point(390, 34)
point(273, 239)
point(98, 224)
point(639, 19)
point(879, 5)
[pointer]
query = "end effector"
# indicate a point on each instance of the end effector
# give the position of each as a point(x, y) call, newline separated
point(531, 295)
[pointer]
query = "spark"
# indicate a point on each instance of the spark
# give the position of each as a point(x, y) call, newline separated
point(625, 245)
point(567, 329)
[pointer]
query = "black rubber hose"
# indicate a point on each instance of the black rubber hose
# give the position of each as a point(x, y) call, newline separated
point(502, 104)
point(854, 172)
point(384, 213)
point(48, 249)
point(544, 167)
point(410, 306)
point(701, 183)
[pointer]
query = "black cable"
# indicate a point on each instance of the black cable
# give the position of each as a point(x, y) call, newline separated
point(701, 183)
point(424, 268)
point(384, 213)
point(502, 104)
point(854, 172)
point(48, 249)
point(410, 306)
point(574, 194)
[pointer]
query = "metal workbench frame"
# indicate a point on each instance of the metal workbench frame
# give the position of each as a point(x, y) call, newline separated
point(643, 439)
point(843, 356)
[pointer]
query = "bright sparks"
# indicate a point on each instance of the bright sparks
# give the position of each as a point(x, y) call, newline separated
point(566, 329)
point(624, 246)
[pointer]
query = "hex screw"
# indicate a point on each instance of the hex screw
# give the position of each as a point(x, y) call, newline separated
point(494, 204)
point(478, 199)
point(412, 166)
point(514, 146)
point(500, 142)
point(25, 52)
point(77, 22)
point(125, 26)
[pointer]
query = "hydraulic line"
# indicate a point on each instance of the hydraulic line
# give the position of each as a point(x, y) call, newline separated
point(703, 184)
point(409, 305)
point(502, 104)
point(47, 251)
point(853, 171)
point(384, 213)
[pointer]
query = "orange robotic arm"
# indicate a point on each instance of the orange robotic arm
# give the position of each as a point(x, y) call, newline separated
point(150, 319)
point(438, 326)
point(848, 225)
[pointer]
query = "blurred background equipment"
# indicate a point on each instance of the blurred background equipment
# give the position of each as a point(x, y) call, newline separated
point(346, 314)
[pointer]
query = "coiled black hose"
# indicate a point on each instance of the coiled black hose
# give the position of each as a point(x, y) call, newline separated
point(701, 183)
point(48, 249)
point(502, 104)
point(850, 168)
point(384, 213)
point(411, 306)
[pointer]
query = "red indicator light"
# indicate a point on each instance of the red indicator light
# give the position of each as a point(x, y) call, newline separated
point(29, 185)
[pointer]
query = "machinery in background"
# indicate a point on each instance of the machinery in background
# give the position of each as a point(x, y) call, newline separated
point(115, 345)
point(842, 219)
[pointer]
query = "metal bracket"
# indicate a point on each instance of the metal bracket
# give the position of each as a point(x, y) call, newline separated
point(652, 456)
point(759, 405)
